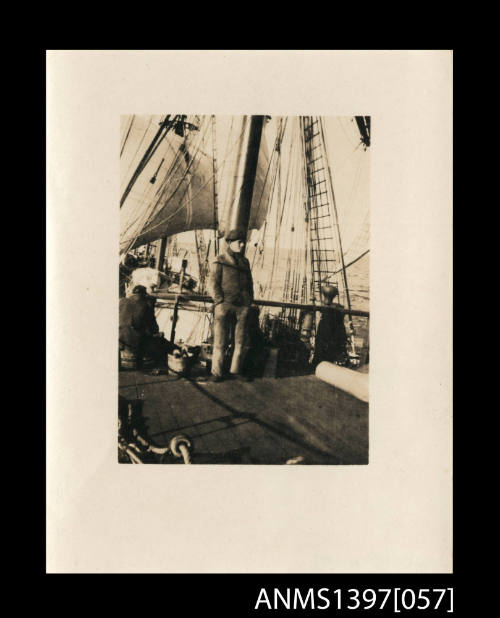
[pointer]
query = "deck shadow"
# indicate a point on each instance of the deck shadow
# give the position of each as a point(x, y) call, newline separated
point(278, 430)
point(227, 420)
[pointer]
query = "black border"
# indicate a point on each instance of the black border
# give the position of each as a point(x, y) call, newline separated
point(226, 594)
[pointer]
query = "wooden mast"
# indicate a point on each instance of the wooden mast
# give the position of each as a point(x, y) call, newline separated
point(239, 216)
point(160, 253)
point(214, 169)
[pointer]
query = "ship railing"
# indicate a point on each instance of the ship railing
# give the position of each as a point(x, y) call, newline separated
point(185, 300)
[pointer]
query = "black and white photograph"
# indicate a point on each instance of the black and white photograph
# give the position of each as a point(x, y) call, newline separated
point(249, 314)
point(244, 289)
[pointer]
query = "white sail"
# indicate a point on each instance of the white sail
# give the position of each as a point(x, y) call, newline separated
point(175, 191)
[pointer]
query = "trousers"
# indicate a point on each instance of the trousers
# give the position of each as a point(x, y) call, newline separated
point(222, 314)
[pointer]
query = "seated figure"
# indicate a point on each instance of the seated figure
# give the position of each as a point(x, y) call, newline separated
point(127, 265)
point(138, 329)
point(148, 277)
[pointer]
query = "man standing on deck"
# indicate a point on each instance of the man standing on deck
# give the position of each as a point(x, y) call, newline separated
point(231, 287)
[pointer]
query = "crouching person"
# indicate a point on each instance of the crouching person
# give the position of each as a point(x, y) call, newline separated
point(138, 330)
point(231, 287)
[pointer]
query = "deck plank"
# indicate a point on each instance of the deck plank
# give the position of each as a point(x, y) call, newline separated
point(266, 421)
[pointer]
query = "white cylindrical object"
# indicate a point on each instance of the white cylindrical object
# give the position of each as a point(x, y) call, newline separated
point(346, 380)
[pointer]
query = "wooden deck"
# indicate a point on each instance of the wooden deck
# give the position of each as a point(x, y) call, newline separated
point(266, 421)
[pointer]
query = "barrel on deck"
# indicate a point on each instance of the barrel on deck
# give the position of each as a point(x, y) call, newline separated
point(177, 363)
point(347, 380)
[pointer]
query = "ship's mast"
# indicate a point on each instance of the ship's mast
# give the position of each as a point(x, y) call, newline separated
point(239, 216)
point(160, 253)
point(214, 167)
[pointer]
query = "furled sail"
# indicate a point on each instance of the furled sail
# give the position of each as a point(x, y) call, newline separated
point(175, 191)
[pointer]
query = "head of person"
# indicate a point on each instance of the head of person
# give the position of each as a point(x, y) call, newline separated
point(129, 261)
point(329, 292)
point(236, 240)
point(140, 290)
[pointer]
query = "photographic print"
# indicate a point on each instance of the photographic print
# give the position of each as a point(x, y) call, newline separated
point(244, 289)
point(247, 277)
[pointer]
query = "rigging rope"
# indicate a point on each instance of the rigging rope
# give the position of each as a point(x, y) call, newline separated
point(361, 240)
point(149, 215)
point(347, 265)
point(345, 133)
point(187, 202)
point(170, 173)
point(277, 145)
point(167, 200)
point(197, 150)
point(138, 148)
point(272, 158)
point(276, 227)
point(126, 136)
point(143, 215)
point(348, 218)
point(337, 225)
point(158, 138)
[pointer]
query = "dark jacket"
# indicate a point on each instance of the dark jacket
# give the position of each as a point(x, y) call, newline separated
point(137, 319)
point(231, 279)
point(331, 337)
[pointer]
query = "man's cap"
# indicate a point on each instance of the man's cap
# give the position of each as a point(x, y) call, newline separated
point(237, 234)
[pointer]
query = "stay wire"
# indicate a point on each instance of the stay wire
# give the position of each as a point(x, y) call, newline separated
point(166, 125)
point(142, 230)
point(138, 147)
point(185, 203)
point(126, 136)
point(274, 155)
point(182, 152)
